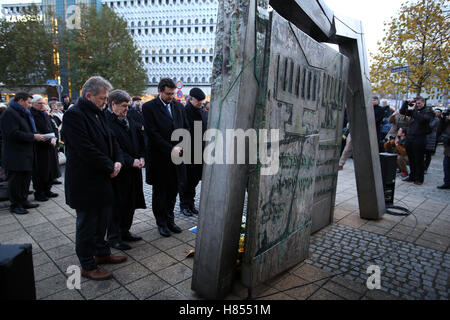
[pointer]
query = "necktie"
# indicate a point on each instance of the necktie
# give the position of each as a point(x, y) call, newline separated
point(168, 109)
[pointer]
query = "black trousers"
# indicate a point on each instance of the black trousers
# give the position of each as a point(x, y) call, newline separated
point(41, 187)
point(415, 147)
point(18, 187)
point(164, 198)
point(187, 193)
point(90, 236)
point(120, 219)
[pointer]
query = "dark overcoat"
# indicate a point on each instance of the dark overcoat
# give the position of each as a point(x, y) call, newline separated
point(128, 184)
point(46, 161)
point(193, 114)
point(91, 152)
point(18, 141)
point(159, 126)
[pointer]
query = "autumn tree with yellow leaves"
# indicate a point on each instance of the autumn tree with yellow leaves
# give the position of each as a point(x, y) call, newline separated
point(418, 38)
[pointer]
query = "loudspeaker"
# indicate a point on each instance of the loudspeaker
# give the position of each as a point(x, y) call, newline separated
point(16, 272)
point(388, 163)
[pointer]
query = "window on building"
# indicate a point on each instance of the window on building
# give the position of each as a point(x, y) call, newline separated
point(196, 59)
point(210, 59)
point(211, 29)
point(203, 59)
point(204, 29)
point(189, 59)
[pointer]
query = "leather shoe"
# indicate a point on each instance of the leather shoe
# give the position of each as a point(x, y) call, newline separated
point(417, 183)
point(444, 187)
point(56, 182)
point(164, 231)
point(194, 211)
point(174, 228)
point(50, 194)
point(96, 274)
point(18, 210)
point(29, 205)
point(130, 237)
point(186, 212)
point(110, 259)
point(120, 246)
point(40, 197)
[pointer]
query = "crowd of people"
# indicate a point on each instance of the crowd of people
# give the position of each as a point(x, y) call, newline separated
point(108, 139)
point(412, 132)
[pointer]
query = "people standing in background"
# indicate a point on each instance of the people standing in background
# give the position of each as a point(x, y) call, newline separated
point(430, 148)
point(18, 136)
point(416, 136)
point(45, 168)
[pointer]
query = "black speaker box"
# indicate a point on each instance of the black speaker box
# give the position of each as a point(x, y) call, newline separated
point(16, 272)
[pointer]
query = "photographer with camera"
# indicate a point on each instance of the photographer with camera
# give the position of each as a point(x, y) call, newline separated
point(444, 132)
point(397, 144)
point(416, 136)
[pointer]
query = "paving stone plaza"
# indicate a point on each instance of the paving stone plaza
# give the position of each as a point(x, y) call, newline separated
point(412, 252)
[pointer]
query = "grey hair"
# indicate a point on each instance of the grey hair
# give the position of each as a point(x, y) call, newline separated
point(36, 98)
point(118, 96)
point(94, 85)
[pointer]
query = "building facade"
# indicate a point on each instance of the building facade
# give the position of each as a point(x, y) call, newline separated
point(176, 38)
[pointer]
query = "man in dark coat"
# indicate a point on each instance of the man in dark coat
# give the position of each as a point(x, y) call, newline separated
point(94, 159)
point(129, 193)
point(46, 163)
point(162, 116)
point(380, 113)
point(194, 113)
point(416, 136)
point(135, 112)
point(19, 134)
point(444, 131)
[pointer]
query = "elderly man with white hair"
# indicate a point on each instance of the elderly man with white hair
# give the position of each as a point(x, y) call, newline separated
point(94, 159)
point(45, 168)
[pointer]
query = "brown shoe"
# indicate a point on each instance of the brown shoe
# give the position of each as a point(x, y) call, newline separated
point(110, 259)
point(96, 274)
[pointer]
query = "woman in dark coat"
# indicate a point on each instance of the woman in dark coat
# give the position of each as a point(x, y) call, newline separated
point(128, 185)
point(45, 168)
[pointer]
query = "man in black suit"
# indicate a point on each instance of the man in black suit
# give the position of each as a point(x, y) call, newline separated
point(93, 160)
point(129, 193)
point(194, 113)
point(19, 134)
point(162, 116)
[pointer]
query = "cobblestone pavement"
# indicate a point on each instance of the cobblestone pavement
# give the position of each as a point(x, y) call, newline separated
point(413, 255)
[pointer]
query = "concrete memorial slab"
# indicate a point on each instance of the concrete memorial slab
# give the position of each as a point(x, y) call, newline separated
point(270, 73)
point(304, 93)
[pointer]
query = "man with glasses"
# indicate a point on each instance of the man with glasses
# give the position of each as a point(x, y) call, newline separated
point(162, 116)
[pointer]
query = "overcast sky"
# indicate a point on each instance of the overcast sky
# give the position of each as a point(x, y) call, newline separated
point(371, 13)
